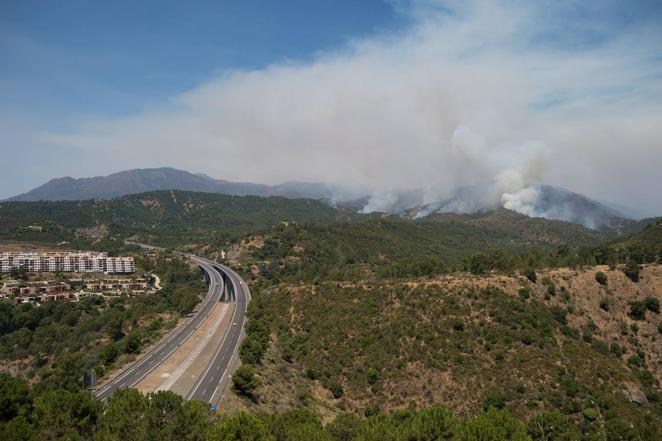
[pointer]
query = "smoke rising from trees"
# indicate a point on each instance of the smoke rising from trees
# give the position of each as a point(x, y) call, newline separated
point(470, 93)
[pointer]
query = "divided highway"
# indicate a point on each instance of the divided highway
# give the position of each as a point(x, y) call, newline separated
point(212, 382)
point(208, 385)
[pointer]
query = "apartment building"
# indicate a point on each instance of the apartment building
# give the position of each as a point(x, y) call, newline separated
point(79, 261)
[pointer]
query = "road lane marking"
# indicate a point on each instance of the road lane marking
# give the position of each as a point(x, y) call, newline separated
point(211, 293)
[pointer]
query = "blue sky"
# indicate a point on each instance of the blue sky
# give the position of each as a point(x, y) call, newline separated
point(383, 94)
point(77, 58)
point(66, 62)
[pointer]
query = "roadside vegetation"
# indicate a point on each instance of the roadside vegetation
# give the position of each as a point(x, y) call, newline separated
point(164, 416)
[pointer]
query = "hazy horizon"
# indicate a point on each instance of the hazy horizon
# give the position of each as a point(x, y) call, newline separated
point(421, 94)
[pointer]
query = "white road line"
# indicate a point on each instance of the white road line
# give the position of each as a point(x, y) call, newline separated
point(233, 352)
point(188, 361)
point(118, 382)
point(211, 363)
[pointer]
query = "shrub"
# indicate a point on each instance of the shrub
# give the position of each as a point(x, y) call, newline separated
point(371, 410)
point(244, 380)
point(637, 310)
point(527, 339)
point(492, 425)
point(132, 343)
point(312, 374)
point(530, 274)
point(652, 304)
point(241, 425)
point(345, 427)
point(496, 399)
point(600, 346)
point(551, 288)
point(659, 327)
point(601, 278)
point(590, 414)
point(632, 270)
point(559, 314)
point(615, 349)
point(372, 376)
point(635, 360)
point(552, 426)
point(256, 343)
point(336, 389)
point(524, 293)
point(109, 353)
point(604, 304)
point(458, 325)
point(571, 387)
point(570, 331)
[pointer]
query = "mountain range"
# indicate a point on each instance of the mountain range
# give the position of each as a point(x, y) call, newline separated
point(154, 179)
point(535, 201)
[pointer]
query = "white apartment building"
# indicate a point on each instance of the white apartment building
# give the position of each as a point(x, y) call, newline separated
point(78, 261)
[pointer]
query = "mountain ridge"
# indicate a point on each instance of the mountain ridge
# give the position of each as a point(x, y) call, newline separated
point(544, 201)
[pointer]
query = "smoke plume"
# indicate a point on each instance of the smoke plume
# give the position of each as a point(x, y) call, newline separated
point(472, 92)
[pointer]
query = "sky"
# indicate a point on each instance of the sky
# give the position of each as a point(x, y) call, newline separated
point(384, 95)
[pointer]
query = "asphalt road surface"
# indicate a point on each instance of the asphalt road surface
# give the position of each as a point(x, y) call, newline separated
point(210, 385)
point(157, 355)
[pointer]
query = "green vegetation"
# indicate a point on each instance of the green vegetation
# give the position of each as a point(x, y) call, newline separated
point(320, 242)
point(604, 304)
point(530, 274)
point(601, 278)
point(344, 305)
point(652, 304)
point(367, 343)
point(397, 248)
point(164, 416)
point(632, 270)
point(165, 218)
point(244, 380)
point(638, 308)
point(61, 340)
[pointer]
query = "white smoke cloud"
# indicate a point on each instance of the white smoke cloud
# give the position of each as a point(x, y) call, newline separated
point(381, 202)
point(524, 201)
point(457, 99)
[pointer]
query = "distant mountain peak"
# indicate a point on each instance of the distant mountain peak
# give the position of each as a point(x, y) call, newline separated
point(142, 180)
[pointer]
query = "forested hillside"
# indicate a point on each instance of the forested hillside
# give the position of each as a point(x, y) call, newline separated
point(362, 327)
point(168, 218)
point(580, 342)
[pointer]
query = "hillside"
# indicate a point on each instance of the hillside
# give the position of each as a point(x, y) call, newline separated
point(153, 179)
point(375, 313)
point(539, 201)
point(650, 235)
point(176, 218)
point(167, 217)
point(552, 203)
point(388, 246)
point(564, 343)
point(510, 223)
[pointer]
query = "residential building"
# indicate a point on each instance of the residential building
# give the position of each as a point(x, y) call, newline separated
point(77, 261)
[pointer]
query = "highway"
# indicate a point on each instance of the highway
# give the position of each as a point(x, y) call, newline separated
point(157, 355)
point(210, 385)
